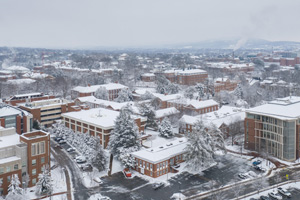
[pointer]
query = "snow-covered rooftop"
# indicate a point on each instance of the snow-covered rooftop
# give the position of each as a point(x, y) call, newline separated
point(166, 112)
point(282, 108)
point(167, 97)
point(8, 137)
point(21, 81)
point(163, 152)
point(225, 115)
point(93, 88)
point(196, 103)
point(6, 110)
point(9, 159)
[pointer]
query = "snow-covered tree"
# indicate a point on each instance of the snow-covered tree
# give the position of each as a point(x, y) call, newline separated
point(15, 192)
point(99, 159)
point(44, 184)
point(165, 128)
point(127, 160)
point(124, 95)
point(200, 89)
point(148, 111)
point(163, 86)
point(147, 95)
point(201, 148)
point(189, 92)
point(26, 180)
point(102, 93)
point(238, 92)
point(124, 137)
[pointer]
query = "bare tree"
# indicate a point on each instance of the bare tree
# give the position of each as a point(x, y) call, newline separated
point(235, 128)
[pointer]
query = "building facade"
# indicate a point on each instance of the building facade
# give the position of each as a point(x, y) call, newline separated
point(274, 128)
point(47, 111)
point(22, 98)
point(11, 116)
point(21, 155)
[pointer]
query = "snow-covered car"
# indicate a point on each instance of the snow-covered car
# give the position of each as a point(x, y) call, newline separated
point(80, 159)
point(127, 173)
point(284, 192)
point(264, 198)
point(242, 176)
point(258, 168)
point(57, 139)
point(98, 180)
point(156, 186)
point(257, 162)
point(176, 166)
point(62, 142)
point(87, 167)
point(70, 150)
point(275, 195)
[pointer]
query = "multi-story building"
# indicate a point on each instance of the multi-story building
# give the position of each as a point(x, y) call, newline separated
point(47, 111)
point(113, 90)
point(22, 98)
point(21, 155)
point(193, 107)
point(274, 128)
point(97, 122)
point(186, 76)
point(158, 161)
point(11, 116)
point(222, 84)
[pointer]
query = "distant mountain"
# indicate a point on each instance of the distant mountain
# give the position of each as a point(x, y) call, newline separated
point(237, 44)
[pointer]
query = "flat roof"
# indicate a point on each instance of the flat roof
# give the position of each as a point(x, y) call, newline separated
point(9, 159)
point(282, 108)
point(6, 110)
point(9, 140)
point(93, 88)
point(163, 152)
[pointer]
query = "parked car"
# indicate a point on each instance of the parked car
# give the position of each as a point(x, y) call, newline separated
point(87, 167)
point(284, 192)
point(264, 198)
point(242, 176)
point(156, 186)
point(257, 162)
point(80, 159)
point(258, 168)
point(127, 173)
point(57, 139)
point(176, 166)
point(253, 199)
point(275, 195)
point(62, 142)
point(70, 150)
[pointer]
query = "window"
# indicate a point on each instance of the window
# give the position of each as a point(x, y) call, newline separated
point(167, 170)
point(42, 160)
point(37, 148)
point(157, 174)
point(164, 171)
point(1, 170)
point(24, 164)
point(160, 172)
point(147, 165)
point(157, 166)
point(34, 181)
point(151, 174)
point(151, 167)
point(33, 162)
point(16, 167)
point(8, 169)
point(8, 179)
point(34, 172)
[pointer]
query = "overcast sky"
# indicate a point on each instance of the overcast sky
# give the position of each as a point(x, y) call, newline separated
point(84, 23)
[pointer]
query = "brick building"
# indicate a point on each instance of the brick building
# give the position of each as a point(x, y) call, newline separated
point(148, 77)
point(274, 128)
point(222, 84)
point(97, 122)
point(11, 116)
point(113, 90)
point(193, 107)
point(158, 161)
point(47, 111)
point(25, 154)
point(186, 76)
point(22, 98)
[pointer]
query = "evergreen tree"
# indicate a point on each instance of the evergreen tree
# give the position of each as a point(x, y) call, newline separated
point(148, 111)
point(124, 95)
point(165, 128)
point(202, 146)
point(44, 184)
point(36, 125)
point(101, 93)
point(147, 96)
point(238, 92)
point(124, 138)
point(189, 92)
point(15, 192)
point(99, 159)
point(200, 89)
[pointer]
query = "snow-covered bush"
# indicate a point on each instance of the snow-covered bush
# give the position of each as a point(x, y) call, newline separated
point(165, 128)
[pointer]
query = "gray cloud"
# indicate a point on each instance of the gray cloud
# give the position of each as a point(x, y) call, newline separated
point(82, 23)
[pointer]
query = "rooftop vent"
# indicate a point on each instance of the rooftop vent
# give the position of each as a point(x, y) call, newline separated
point(161, 147)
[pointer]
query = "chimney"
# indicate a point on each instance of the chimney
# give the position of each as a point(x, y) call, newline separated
point(89, 85)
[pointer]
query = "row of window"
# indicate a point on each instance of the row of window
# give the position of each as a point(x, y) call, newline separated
point(47, 115)
point(47, 120)
point(37, 148)
point(9, 168)
point(33, 161)
point(52, 109)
